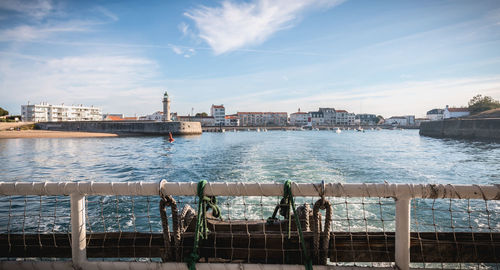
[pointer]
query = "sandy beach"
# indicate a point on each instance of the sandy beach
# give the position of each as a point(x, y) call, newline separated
point(51, 134)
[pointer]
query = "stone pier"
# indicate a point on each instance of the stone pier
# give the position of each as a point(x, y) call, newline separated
point(126, 127)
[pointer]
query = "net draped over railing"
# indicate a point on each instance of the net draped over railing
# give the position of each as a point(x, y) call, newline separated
point(122, 225)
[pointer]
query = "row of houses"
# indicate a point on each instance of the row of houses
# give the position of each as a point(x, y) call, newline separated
point(45, 112)
point(322, 117)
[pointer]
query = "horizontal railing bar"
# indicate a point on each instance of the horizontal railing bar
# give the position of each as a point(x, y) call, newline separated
point(488, 192)
point(85, 188)
point(168, 266)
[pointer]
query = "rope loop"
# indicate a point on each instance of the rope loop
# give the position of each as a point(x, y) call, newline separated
point(169, 201)
point(321, 257)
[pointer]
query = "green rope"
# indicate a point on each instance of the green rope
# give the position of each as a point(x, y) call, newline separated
point(201, 230)
point(288, 197)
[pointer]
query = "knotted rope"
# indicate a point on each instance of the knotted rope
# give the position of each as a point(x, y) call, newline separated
point(167, 200)
point(201, 230)
point(321, 257)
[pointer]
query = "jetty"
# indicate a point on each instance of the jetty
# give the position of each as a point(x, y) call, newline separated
point(126, 127)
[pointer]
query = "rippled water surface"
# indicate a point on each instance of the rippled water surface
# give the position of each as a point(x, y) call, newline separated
point(303, 156)
point(394, 156)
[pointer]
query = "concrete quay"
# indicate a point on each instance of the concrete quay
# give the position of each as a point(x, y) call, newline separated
point(126, 127)
point(485, 129)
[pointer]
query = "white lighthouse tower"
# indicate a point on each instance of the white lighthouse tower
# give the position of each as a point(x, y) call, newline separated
point(166, 107)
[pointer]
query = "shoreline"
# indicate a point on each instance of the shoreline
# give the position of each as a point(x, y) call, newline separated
point(27, 134)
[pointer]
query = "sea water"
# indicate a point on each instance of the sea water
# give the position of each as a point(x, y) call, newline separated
point(393, 156)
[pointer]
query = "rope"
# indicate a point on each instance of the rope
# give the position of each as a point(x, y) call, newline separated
point(321, 258)
point(170, 252)
point(288, 198)
point(201, 230)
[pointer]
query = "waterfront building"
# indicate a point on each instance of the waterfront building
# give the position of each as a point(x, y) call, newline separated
point(435, 114)
point(206, 121)
point(232, 120)
point(455, 112)
point(366, 119)
point(329, 116)
point(218, 112)
point(263, 118)
point(299, 118)
point(166, 107)
point(317, 118)
point(407, 120)
point(344, 118)
point(45, 112)
point(156, 116)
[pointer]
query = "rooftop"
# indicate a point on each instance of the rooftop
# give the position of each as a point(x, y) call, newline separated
point(458, 109)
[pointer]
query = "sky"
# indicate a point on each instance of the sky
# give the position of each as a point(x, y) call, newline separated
point(382, 57)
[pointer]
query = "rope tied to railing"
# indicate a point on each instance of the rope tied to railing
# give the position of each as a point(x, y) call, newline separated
point(321, 257)
point(288, 199)
point(166, 201)
point(201, 230)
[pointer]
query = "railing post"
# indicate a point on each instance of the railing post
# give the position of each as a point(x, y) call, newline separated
point(402, 233)
point(78, 231)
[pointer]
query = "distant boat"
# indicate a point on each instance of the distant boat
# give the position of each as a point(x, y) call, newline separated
point(338, 131)
point(258, 130)
point(223, 130)
point(360, 129)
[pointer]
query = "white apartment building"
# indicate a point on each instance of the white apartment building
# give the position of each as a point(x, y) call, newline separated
point(299, 119)
point(218, 112)
point(344, 118)
point(45, 112)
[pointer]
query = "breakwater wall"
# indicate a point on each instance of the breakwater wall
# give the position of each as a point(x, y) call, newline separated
point(126, 127)
point(488, 128)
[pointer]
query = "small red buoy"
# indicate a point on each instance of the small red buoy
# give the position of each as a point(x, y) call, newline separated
point(170, 139)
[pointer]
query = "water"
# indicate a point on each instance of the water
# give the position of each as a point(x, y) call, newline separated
point(394, 156)
point(301, 156)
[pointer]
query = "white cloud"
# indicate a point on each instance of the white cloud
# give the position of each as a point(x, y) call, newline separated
point(184, 28)
point(236, 25)
point(184, 51)
point(34, 8)
point(176, 49)
point(30, 33)
point(107, 13)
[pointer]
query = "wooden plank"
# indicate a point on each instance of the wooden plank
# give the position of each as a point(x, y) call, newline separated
point(259, 247)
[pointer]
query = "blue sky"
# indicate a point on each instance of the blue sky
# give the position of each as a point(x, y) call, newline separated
point(384, 57)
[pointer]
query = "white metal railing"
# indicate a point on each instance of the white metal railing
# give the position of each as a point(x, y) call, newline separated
point(401, 193)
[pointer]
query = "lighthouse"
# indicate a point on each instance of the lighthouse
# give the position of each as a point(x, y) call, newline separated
point(166, 107)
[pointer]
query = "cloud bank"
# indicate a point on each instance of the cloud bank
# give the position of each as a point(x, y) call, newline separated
point(235, 25)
